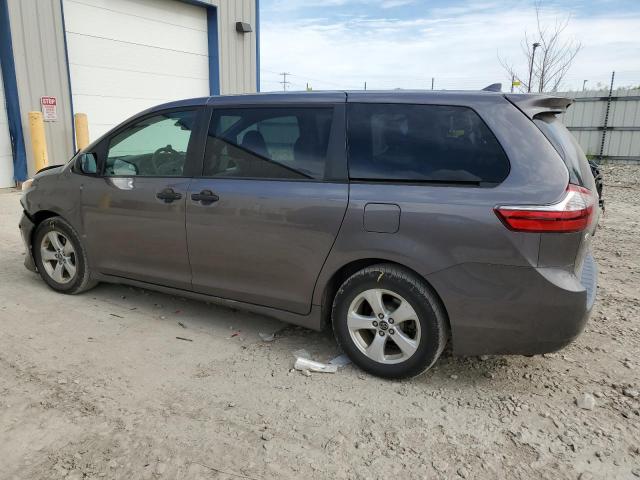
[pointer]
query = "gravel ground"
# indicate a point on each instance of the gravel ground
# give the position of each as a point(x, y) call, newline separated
point(98, 386)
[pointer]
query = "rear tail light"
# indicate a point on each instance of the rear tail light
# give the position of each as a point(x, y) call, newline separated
point(571, 214)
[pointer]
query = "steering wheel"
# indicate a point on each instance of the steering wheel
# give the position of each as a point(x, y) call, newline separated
point(163, 160)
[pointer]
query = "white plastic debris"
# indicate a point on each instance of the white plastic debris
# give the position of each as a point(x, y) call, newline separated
point(306, 364)
point(267, 337)
point(301, 353)
point(586, 401)
point(340, 360)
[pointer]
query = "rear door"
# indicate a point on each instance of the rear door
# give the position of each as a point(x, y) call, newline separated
point(134, 211)
point(266, 210)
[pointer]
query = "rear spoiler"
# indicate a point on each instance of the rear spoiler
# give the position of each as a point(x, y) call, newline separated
point(532, 105)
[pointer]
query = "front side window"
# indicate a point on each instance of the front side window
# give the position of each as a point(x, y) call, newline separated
point(153, 147)
point(272, 143)
point(422, 143)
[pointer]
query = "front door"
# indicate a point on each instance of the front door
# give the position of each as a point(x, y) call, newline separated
point(262, 218)
point(134, 213)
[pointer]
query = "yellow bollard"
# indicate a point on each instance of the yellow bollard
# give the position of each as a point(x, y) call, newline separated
point(38, 140)
point(82, 130)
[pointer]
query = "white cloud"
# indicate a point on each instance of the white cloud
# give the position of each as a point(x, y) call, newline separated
point(458, 48)
point(395, 3)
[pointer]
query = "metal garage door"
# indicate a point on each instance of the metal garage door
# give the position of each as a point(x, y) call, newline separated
point(6, 158)
point(128, 55)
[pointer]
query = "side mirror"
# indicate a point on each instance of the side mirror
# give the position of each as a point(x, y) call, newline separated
point(87, 163)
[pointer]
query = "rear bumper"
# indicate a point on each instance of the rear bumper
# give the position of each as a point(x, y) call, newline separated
point(498, 309)
point(26, 229)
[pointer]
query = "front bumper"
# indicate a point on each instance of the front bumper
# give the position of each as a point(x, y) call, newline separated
point(499, 309)
point(26, 229)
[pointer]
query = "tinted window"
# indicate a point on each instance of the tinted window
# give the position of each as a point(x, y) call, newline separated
point(153, 147)
point(566, 145)
point(422, 143)
point(88, 163)
point(268, 143)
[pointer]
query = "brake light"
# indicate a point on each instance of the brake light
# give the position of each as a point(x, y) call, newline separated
point(571, 214)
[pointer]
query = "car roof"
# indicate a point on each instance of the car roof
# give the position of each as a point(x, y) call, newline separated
point(531, 104)
point(337, 96)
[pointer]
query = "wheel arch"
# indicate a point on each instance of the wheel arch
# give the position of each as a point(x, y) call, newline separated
point(38, 217)
point(41, 215)
point(338, 277)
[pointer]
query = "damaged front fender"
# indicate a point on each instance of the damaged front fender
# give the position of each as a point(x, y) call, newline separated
point(26, 229)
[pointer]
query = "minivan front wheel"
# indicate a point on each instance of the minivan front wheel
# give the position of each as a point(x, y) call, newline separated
point(389, 321)
point(60, 257)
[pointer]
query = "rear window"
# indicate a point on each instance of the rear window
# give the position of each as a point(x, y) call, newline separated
point(566, 145)
point(423, 143)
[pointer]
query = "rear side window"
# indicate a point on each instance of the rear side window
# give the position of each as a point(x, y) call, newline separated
point(566, 145)
point(422, 143)
point(277, 143)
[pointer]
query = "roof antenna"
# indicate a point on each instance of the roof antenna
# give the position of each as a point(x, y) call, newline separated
point(494, 87)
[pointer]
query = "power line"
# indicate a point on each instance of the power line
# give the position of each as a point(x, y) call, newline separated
point(290, 81)
point(284, 81)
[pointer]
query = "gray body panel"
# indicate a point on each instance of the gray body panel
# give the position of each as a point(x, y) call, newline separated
point(275, 247)
point(150, 244)
point(263, 242)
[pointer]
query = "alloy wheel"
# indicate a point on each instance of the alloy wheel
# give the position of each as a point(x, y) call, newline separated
point(58, 257)
point(384, 326)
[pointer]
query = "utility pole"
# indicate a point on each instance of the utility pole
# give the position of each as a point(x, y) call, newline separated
point(533, 55)
point(365, 85)
point(513, 79)
point(284, 81)
point(432, 80)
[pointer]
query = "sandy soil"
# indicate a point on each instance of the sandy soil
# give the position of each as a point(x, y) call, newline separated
point(98, 386)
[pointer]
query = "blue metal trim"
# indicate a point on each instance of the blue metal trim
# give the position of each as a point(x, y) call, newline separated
point(257, 45)
point(212, 44)
point(20, 173)
point(214, 55)
point(66, 57)
point(198, 3)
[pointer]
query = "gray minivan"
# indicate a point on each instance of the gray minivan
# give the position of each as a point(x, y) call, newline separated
point(402, 219)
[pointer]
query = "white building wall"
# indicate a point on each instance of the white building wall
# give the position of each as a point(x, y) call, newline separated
point(237, 51)
point(41, 70)
point(133, 55)
point(38, 36)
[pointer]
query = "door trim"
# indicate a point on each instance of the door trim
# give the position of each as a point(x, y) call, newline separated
point(312, 320)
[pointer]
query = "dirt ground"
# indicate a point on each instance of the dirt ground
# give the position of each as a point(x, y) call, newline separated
point(98, 386)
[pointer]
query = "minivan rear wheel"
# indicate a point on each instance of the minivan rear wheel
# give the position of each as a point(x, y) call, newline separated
point(389, 321)
point(60, 257)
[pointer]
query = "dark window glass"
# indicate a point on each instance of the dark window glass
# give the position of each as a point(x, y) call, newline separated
point(88, 163)
point(422, 143)
point(153, 147)
point(273, 143)
point(566, 145)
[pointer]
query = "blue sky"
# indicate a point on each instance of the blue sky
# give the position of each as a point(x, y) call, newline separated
point(333, 44)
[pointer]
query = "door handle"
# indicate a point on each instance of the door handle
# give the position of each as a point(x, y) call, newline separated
point(168, 195)
point(206, 197)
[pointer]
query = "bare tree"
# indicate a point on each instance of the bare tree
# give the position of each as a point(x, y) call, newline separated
point(548, 53)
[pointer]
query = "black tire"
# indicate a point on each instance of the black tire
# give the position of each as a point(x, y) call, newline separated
point(81, 280)
point(425, 303)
